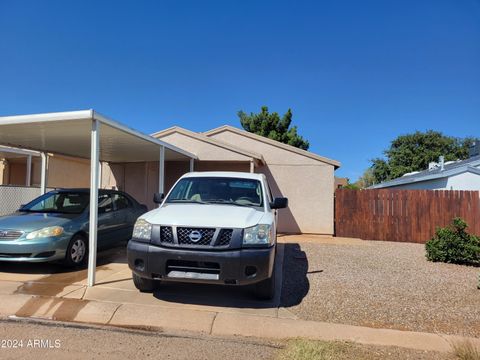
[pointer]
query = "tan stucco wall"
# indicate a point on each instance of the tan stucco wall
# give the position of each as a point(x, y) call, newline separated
point(203, 150)
point(306, 182)
point(68, 172)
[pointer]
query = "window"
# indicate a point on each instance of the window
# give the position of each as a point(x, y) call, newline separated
point(121, 202)
point(218, 190)
point(59, 202)
point(105, 204)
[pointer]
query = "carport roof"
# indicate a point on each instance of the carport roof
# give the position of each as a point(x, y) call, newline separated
point(69, 133)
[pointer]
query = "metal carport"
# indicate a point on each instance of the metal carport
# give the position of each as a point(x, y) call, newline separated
point(90, 135)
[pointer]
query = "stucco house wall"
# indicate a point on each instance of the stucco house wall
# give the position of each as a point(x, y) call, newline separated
point(307, 183)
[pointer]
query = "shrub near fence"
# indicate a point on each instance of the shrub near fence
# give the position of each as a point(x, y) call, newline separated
point(402, 215)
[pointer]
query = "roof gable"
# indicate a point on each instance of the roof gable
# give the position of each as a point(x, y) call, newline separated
point(278, 144)
point(206, 139)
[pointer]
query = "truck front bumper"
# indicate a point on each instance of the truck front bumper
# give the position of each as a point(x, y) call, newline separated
point(230, 267)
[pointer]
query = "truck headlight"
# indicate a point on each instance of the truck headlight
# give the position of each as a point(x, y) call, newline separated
point(142, 230)
point(260, 234)
point(45, 232)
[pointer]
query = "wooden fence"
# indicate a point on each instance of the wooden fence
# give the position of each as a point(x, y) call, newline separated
point(402, 215)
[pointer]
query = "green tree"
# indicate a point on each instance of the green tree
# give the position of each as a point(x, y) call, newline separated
point(272, 126)
point(413, 152)
point(366, 180)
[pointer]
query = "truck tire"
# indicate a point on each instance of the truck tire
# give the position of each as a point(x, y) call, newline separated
point(265, 290)
point(144, 284)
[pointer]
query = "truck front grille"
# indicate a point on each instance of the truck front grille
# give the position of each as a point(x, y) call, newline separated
point(195, 236)
point(224, 237)
point(166, 234)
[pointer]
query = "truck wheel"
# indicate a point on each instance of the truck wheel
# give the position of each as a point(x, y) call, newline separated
point(265, 290)
point(143, 284)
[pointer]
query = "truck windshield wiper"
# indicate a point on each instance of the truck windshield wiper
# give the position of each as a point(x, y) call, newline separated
point(227, 202)
point(186, 201)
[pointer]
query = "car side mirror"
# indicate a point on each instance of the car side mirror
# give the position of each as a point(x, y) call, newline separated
point(279, 203)
point(158, 198)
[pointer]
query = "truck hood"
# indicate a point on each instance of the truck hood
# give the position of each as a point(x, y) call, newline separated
point(204, 215)
point(33, 221)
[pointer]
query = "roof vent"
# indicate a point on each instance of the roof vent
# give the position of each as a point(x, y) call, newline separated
point(441, 162)
point(474, 149)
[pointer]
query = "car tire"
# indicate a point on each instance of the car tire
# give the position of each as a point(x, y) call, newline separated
point(77, 252)
point(265, 290)
point(144, 284)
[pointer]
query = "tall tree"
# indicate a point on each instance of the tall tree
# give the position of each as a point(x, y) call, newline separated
point(272, 126)
point(413, 152)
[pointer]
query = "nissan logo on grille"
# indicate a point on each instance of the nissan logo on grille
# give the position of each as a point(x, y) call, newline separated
point(195, 236)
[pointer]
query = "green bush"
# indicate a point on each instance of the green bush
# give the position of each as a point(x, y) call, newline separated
point(452, 244)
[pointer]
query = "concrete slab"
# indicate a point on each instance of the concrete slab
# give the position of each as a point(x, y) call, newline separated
point(189, 320)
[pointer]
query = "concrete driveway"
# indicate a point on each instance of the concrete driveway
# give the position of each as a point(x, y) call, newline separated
point(114, 284)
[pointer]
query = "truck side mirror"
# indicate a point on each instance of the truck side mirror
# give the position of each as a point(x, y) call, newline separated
point(158, 198)
point(279, 203)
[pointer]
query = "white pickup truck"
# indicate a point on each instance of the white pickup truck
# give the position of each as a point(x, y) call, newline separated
point(212, 227)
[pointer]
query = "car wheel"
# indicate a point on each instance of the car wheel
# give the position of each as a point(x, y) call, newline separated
point(77, 251)
point(144, 284)
point(265, 290)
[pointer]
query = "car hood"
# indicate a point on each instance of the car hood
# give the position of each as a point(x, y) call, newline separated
point(204, 215)
point(33, 221)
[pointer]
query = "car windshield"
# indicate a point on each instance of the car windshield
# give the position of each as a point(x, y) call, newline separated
point(59, 202)
point(217, 190)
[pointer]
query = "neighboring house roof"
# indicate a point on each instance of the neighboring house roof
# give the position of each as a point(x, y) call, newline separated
point(206, 139)
point(471, 165)
point(278, 144)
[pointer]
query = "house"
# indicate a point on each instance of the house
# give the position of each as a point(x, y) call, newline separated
point(302, 176)
point(450, 175)
point(307, 179)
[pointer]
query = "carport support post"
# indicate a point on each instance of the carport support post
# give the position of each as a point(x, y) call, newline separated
point(252, 167)
point(28, 175)
point(161, 171)
point(43, 175)
point(92, 231)
point(192, 164)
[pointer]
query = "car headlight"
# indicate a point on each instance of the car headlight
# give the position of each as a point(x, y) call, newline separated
point(142, 230)
point(260, 234)
point(45, 232)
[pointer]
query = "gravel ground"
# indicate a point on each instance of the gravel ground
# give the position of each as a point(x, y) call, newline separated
point(380, 284)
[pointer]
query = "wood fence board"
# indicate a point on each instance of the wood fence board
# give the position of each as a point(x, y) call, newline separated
point(402, 215)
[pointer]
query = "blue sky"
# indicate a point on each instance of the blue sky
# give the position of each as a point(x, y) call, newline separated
point(355, 73)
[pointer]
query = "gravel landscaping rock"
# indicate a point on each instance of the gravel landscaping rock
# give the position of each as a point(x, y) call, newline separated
point(380, 284)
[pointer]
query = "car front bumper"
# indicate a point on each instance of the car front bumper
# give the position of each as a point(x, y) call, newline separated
point(39, 250)
point(229, 267)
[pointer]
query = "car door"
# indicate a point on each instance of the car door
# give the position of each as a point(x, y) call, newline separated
point(106, 220)
point(125, 216)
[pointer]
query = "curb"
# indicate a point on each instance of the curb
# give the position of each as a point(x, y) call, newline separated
point(214, 323)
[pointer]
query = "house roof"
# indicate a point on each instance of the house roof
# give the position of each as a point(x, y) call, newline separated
point(278, 144)
point(471, 165)
point(206, 139)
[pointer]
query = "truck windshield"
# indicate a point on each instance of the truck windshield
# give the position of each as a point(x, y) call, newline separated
point(217, 190)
